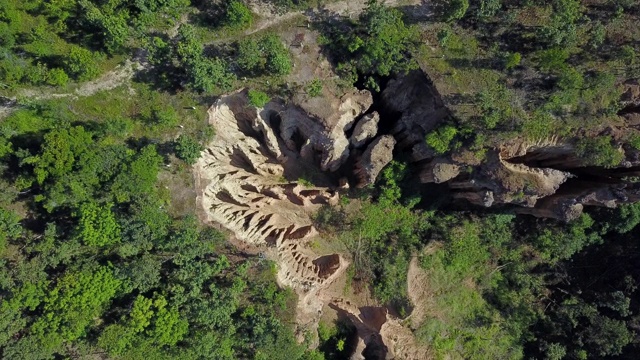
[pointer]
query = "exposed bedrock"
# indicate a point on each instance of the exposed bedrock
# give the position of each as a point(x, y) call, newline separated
point(544, 178)
point(241, 177)
point(377, 155)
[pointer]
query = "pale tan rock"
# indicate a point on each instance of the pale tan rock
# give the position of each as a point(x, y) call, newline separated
point(365, 129)
point(240, 178)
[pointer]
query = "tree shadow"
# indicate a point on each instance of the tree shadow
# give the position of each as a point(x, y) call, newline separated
point(211, 13)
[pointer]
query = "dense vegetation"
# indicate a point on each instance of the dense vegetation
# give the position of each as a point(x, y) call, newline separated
point(503, 286)
point(96, 262)
point(101, 253)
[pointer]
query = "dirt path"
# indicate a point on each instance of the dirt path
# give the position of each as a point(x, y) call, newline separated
point(123, 74)
point(348, 8)
point(119, 76)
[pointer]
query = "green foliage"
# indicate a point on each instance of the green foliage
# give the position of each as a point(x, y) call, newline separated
point(554, 245)
point(562, 29)
point(188, 149)
point(489, 8)
point(266, 55)
point(238, 15)
point(552, 59)
point(598, 151)
point(72, 305)
point(258, 98)
point(62, 150)
point(249, 56)
point(81, 64)
point(455, 9)
point(379, 44)
point(97, 225)
point(467, 325)
point(9, 227)
point(277, 57)
point(440, 139)
point(138, 176)
point(512, 60)
point(314, 88)
point(204, 74)
point(208, 75)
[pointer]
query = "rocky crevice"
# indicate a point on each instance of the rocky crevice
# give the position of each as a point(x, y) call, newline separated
point(247, 177)
point(544, 178)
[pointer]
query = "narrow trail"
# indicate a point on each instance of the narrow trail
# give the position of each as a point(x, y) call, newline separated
point(123, 74)
point(347, 8)
point(120, 75)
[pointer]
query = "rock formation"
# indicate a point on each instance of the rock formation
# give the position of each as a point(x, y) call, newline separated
point(375, 158)
point(365, 129)
point(247, 181)
point(544, 178)
point(241, 177)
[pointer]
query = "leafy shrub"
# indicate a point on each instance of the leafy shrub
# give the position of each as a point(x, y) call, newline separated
point(97, 225)
point(455, 9)
point(258, 98)
point(599, 151)
point(552, 59)
point(512, 60)
point(81, 64)
point(278, 59)
point(57, 77)
point(249, 56)
point(379, 44)
point(266, 55)
point(188, 149)
point(440, 139)
point(238, 15)
point(314, 88)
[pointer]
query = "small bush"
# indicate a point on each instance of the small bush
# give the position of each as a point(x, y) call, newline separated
point(238, 15)
point(552, 59)
point(599, 152)
point(188, 149)
point(455, 9)
point(81, 64)
point(258, 98)
point(440, 139)
point(512, 60)
point(314, 88)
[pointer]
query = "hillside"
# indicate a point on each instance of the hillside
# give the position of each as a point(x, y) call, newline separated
point(308, 179)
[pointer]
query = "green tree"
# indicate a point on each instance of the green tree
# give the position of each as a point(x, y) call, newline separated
point(258, 98)
point(97, 225)
point(455, 9)
point(137, 177)
point(249, 56)
point(386, 42)
point(188, 149)
point(599, 151)
point(440, 139)
point(61, 151)
point(81, 64)
point(73, 304)
point(552, 59)
point(512, 60)
point(238, 15)
point(277, 56)
point(9, 227)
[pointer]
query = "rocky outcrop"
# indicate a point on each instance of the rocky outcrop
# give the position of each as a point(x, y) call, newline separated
point(380, 334)
point(365, 129)
point(544, 178)
point(317, 127)
point(242, 185)
point(375, 158)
